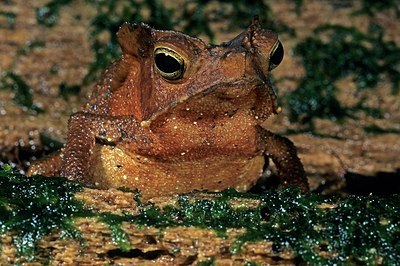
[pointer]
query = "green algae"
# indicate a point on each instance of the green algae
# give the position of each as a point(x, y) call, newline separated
point(349, 231)
point(33, 207)
point(206, 262)
point(49, 143)
point(31, 46)
point(353, 230)
point(372, 7)
point(65, 90)
point(367, 7)
point(48, 14)
point(118, 235)
point(335, 52)
point(375, 129)
point(7, 19)
point(320, 230)
point(22, 92)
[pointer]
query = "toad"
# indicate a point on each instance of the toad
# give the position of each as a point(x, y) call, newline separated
point(174, 115)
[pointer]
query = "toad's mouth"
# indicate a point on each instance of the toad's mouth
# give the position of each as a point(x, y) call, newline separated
point(256, 96)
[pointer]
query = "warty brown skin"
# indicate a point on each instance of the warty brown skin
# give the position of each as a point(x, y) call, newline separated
point(173, 115)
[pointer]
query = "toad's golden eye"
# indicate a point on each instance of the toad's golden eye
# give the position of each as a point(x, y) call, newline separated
point(169, 64)
point(276, 56)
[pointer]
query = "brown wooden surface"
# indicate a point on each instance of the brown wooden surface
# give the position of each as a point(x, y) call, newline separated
point(149, 245)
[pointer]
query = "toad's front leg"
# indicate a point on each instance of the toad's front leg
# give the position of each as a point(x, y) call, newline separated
point(284, 155)
point(84, 130)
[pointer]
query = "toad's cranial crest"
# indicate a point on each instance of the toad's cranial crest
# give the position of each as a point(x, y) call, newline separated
point(174, 114)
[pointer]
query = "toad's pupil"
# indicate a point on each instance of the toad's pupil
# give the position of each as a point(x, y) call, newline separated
point(167, 63)
point(277, 56)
